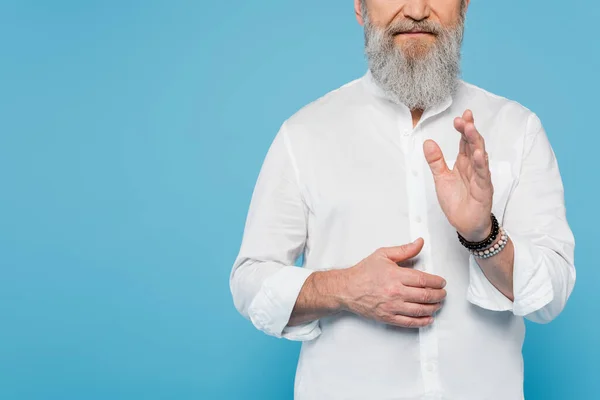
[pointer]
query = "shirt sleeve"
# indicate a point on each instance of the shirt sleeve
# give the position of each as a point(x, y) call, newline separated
point(264, 281)
point(535, 220)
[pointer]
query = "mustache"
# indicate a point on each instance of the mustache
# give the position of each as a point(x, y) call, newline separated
point(408, 26)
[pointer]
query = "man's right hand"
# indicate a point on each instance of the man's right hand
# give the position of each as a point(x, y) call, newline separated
point(377, 288)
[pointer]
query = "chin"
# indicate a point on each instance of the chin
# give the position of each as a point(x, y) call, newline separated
point(415, 48)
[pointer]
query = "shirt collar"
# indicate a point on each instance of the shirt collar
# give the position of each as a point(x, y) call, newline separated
point(377, 91)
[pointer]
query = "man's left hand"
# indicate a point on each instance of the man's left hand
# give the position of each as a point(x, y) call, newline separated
point(465, 192)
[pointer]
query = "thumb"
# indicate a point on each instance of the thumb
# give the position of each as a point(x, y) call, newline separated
point(435, 158)
point(404, 252)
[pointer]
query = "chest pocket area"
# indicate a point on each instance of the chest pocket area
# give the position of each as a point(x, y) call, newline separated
point(361, 193)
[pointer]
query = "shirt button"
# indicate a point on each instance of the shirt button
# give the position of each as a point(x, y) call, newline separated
point(418, 220)
point(430, 367)
point(405, 133)
point(415, 173)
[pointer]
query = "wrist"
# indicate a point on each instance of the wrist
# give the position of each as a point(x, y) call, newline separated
point(332, 287)
point(477, 234)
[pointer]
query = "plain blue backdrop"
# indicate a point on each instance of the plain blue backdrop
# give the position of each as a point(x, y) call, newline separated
point(131, 136)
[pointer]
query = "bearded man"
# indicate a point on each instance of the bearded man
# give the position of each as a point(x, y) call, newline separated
point(431, 217)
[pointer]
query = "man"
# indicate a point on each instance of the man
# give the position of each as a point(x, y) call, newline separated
point(431, 217)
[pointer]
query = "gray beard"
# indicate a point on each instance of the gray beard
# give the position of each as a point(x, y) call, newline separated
point(417, 77)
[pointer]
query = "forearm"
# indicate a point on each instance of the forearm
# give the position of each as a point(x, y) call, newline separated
point(534, 275)
point(321, 295)
point(499, 270)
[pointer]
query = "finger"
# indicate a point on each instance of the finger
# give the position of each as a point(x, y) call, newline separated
point(404, 252)
point(468, 116)
point(423, 296)
point(462, 146)
point(482, 177)
point(473, 137)
point(418, 310)
point(409, 322)
point(480, 165)
point(435, 158)
point(459, 125)
point(419, 279)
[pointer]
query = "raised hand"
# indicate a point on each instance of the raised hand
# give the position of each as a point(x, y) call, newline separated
point(464, 192)
point(377, 288)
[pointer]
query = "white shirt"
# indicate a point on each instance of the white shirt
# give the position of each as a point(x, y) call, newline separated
point(346, 175)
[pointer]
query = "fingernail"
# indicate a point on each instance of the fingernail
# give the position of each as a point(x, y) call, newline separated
point(444, 283)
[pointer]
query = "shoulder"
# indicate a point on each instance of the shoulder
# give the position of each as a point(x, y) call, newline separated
point(496, 109)
point(502, 121)
point(494, 104)
point(329, 110)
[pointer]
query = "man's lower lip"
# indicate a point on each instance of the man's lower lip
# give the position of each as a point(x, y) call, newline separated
point(413, 33)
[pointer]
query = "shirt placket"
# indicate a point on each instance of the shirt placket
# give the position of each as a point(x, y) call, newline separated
point(412, 145)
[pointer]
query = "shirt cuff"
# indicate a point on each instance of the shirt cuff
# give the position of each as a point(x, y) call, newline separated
point(532, 285)
point(272, 307)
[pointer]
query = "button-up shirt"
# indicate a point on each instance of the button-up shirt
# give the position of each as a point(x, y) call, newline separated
point(345, 176)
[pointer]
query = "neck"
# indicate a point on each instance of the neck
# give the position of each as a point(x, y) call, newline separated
point(416, 116)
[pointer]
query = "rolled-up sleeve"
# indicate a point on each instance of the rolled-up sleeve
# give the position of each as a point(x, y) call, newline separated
point(264, 281)
point(535, 220)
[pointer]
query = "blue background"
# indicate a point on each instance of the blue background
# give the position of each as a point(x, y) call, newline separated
point(131, 136)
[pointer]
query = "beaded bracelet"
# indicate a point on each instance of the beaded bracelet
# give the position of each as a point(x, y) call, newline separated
point(485, 243)
point(493, 250)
